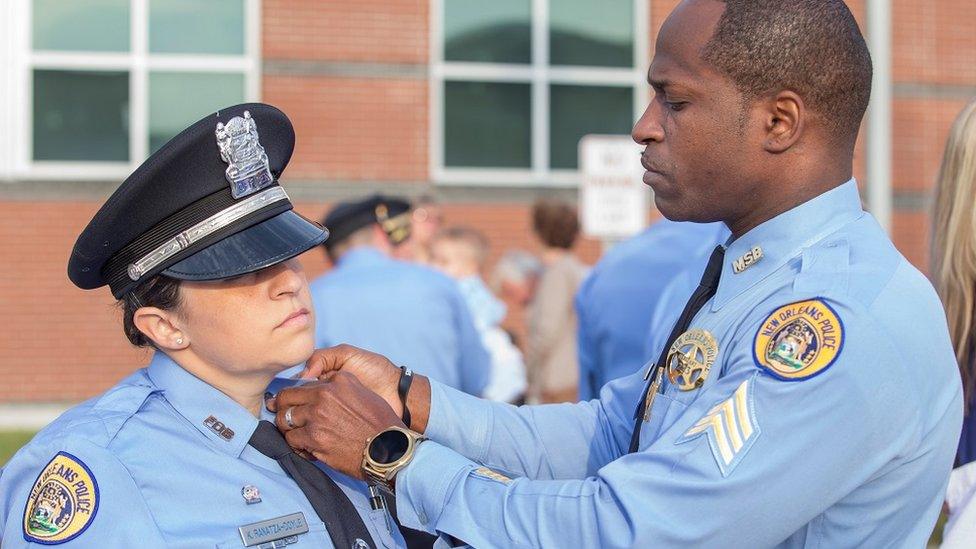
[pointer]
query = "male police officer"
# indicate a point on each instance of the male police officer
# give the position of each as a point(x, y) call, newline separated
point(410, 313)
point(808, 395)
point(615, 303)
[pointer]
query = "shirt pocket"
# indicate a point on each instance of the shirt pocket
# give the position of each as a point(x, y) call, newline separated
point(665, 412)
point(317, 536)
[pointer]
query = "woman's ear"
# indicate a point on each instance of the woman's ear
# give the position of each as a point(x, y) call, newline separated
point(164, 328)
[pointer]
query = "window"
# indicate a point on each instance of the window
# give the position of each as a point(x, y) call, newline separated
point(107, 82)
point(515, 84)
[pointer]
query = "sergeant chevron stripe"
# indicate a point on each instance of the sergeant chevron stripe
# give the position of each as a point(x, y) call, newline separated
point(730, 426)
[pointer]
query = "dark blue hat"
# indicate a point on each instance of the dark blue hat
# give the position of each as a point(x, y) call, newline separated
point(391, 213)
point(205, 206)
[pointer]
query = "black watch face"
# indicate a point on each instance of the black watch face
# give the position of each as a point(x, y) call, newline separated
point(388, 446)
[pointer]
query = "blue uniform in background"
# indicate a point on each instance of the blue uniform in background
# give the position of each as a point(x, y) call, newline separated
point(829, 418)
point(413, 315)
point(168, 453)
point(615, 302)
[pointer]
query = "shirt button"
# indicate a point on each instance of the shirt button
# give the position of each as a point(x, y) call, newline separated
point(422, 517)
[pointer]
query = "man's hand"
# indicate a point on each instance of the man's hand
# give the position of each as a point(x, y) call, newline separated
point(333, 419)
point(374, 371)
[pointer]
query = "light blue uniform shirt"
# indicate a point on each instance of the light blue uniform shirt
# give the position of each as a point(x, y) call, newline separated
point(616, 300)
point(161, 473)
point(854, 456)
point(413, 315)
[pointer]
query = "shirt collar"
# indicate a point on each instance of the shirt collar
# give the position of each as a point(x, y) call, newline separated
point(363, 255)
point(783, 237)
point(222, 420)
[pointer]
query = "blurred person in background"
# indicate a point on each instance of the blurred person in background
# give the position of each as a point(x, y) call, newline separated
point(461, 253)
point(553, 368)
point(425, 220)
point(615, 303)
point(954, 273)
point(515, 277)
point(412, 313)
point(184, 453)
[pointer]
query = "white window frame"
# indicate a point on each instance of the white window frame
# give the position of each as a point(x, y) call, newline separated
point(16, 96)
point(540, 75)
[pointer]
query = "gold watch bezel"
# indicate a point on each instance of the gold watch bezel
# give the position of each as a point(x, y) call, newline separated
point(383, 473)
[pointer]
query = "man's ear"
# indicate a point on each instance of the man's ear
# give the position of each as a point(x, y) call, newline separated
point(164, 328)
point(381, 240)
point(785, 120)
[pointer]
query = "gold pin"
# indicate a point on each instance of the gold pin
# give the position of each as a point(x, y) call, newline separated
point(652, 392)
point(747, 259)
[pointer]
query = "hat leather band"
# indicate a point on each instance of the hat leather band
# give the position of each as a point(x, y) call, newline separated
point(201, 230)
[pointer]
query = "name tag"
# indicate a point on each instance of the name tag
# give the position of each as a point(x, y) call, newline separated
point(273, 529)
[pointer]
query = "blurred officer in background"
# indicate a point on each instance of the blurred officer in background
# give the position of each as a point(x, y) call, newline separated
point(409, 312)
point(615, 303)
point(198, 246)
point(807, 395)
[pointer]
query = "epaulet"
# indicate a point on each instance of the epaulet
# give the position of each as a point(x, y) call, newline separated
point(123, 401)
point(824, 268)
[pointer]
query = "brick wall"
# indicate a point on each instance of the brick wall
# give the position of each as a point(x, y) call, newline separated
point(352, 75)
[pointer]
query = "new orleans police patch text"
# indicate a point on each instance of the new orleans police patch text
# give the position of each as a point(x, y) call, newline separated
point(799, 340)
point(62, 502)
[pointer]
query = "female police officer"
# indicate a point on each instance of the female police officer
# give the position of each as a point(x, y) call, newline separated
point(198, 245)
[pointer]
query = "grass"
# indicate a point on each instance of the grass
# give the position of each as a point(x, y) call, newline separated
point(11, 441)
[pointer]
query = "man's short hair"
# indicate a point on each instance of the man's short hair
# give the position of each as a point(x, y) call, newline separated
point(812, 47)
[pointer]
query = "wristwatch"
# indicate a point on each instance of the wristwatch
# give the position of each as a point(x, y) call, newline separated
point(387, 453)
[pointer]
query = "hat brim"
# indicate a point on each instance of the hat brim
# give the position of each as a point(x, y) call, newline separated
point(268, 243)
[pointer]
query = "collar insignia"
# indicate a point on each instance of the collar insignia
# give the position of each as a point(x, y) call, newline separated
point(747, 259)
point(219, 428)
point(248, 171)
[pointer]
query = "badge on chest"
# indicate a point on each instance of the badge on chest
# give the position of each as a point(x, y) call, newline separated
point(690, 358)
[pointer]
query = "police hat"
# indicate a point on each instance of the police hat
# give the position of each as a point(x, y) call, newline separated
point(392, 214)
point(205, 206)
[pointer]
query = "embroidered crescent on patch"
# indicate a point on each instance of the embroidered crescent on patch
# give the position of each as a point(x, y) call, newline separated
point(62, 502)
point(799, 340)
point(730, 426)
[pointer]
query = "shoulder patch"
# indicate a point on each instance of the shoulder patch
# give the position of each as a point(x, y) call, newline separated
point(62, 502)
point(730, 426)
point(799, 340)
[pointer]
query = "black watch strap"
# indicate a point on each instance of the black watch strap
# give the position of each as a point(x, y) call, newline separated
point(406, 378)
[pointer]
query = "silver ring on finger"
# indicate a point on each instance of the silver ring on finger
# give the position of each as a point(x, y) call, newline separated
point(288, 418)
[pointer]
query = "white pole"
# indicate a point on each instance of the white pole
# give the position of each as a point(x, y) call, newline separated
point(879, 113)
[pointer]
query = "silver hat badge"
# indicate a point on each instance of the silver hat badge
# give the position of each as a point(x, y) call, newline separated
point(248, 170)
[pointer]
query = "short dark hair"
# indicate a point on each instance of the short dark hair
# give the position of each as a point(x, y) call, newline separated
point(160, 291)
point(556, 223)
point(813, 47)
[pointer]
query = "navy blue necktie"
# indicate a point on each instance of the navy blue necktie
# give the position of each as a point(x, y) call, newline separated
point(342, 520)
point(705, 290)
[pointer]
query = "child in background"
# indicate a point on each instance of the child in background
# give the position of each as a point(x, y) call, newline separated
point(460, 252)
